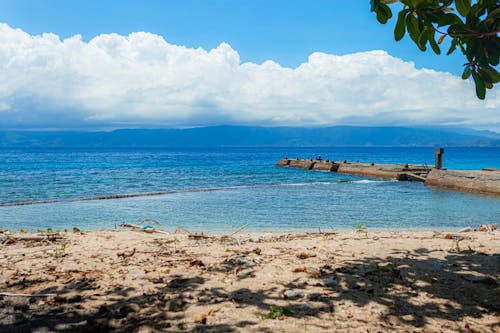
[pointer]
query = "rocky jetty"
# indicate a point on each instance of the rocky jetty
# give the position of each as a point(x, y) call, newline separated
point(477, 181)
point(388, 171)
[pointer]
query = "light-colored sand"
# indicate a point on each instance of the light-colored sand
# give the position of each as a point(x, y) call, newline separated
point(401, 282)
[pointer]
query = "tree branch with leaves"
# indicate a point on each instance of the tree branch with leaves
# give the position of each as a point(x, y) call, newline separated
point(472, 26)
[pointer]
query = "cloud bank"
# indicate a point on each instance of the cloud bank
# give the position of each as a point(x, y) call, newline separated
point(141, 80)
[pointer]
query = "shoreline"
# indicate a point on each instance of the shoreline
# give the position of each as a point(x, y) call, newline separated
point(254, 231)
point(129, 281)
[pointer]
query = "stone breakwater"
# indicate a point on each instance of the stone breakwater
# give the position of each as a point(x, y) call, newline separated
point(480, 181)
point(476, 181)
point(388, 171)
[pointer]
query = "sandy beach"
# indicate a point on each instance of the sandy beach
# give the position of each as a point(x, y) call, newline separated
point(130, 281)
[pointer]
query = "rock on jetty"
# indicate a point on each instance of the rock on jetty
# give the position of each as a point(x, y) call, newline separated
point(478, 181)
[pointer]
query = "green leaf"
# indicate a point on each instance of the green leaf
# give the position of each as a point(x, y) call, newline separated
point(412, 26)
point(493, 49)
point(480, 86)
point(461, 46)
point(434, 45)
point(489, 74)
point(383, 12)
point(411, 3)
point(400, 29)
point(487, 82)
point(457, 29)
point(453, 46)
point(374, 4)
point(494, 59)
point(381, 17)
point(467, 72)
point(463, 6)
point(422, 40)
point(494, 13)
point(471, 51)
point(449, 19)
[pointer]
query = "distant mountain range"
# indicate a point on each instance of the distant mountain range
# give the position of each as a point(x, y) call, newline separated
point(219, 136)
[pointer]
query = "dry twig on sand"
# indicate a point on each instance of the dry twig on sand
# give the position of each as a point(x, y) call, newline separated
point(26, 295)
point(146, 229)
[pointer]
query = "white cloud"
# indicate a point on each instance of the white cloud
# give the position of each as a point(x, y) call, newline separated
point(142, 80)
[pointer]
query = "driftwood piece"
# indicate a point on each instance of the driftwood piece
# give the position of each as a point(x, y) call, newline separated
point(239, 229)
point(142, 228)
point(488, 227)
point(50, 237)
point(26, 295)
point(129, 225)
point(322, 233)
point(184, 230)
point(198, 237)
point(191, 235)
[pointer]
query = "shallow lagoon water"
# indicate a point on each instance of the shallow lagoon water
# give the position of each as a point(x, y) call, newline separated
point(250, 190)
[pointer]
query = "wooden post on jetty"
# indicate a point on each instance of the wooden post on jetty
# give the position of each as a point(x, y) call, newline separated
point(439, 157)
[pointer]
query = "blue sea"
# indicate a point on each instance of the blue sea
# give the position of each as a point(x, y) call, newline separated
point(215, 190)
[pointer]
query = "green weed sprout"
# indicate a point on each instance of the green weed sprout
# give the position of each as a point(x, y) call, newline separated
point(362, 229)
point(457, 240)
point(59, 251)
point(276, 313)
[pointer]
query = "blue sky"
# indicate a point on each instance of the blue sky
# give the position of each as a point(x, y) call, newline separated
point(123, 63)
point(286, 31)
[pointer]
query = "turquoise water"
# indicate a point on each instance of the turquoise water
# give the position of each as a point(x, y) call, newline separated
point(249, 189)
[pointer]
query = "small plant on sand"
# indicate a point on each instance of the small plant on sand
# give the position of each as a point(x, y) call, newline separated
point(382, 269)
point(277, 313)
point(362, 229)
point(49, 230)
point(59, 250)
point(456, 242)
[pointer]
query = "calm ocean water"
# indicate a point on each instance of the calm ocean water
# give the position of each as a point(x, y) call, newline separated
point(252, 189)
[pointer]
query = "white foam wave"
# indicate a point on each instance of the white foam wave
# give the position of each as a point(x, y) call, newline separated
point(367, 181)
point(306, 184)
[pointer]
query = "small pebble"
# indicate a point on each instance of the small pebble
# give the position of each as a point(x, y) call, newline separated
point(293, 293)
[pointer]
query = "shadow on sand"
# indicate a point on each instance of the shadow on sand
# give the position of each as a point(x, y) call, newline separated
point(450, 288)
